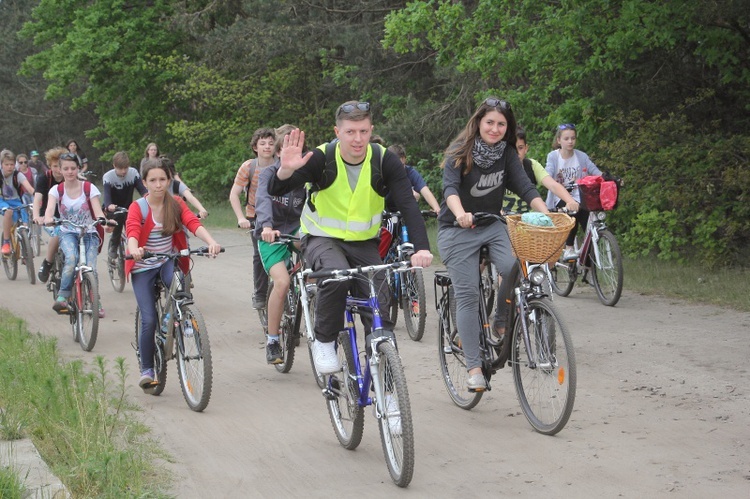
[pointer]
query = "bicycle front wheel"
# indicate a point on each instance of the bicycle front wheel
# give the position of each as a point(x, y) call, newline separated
point(194, 363)
point(607, 272)
point(116, 269)
point(545, 373)
point(396, 428)
point(10, 262)
point(88, 312)
point(27, 252)
point(288, 329)
point(563, 277)
point(347, 416)
point(413, 302)
point(452, 361)
point(319, 378)
point(36, 239)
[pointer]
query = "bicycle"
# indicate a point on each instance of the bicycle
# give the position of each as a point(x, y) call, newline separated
point(83, 304)
point(537, 345)
point(116, 266)
point(181, 333)
point(600, 255)
point(35, 233)
point(407, 290)
point(349, 391)
point(291, 316)
point(20, 246)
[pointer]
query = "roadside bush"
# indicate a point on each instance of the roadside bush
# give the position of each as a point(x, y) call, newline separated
point(686, 191)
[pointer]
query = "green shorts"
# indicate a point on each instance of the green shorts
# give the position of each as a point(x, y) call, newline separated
point(271, 254)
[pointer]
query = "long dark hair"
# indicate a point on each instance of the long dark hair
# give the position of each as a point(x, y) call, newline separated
point(171, 214)
point(462, 146)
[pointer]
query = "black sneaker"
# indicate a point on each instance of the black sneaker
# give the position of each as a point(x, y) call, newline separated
point(44, 269)
point(259, 302)
point(273, 353)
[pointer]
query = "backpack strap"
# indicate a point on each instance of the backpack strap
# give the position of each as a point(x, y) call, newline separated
point(376, 168)
point(529, 169)
point(143, 205)
point(86, 192)
point(250, 178)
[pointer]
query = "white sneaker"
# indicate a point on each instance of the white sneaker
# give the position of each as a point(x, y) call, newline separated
point(393, 414)
point(569, 254)
point(324, 355)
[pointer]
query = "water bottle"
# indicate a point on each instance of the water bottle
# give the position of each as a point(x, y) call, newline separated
point(165, 323)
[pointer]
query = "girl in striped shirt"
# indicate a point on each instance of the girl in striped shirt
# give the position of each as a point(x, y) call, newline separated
point(159, 229)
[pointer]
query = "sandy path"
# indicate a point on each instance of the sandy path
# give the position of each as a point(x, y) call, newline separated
point(662, 404)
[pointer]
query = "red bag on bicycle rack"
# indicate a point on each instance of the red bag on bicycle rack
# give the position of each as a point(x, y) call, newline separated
point(608, 194)
point(590, 187)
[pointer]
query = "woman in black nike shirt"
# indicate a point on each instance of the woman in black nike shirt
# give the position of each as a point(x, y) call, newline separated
point(478, 166)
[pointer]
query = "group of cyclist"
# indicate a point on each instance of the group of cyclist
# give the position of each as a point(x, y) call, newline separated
point(333, 196)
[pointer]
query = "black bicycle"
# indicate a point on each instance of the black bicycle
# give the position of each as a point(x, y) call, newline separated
point(116, 266)
point(407, 288)
point(537, 347)
point(182, 334)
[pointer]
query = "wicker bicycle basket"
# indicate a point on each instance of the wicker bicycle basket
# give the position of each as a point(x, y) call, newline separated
point(537, 244)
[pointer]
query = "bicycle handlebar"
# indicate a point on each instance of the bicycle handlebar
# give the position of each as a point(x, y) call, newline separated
point(343, 274)
point(202, 251)
point(98, 221)
point(16, 208)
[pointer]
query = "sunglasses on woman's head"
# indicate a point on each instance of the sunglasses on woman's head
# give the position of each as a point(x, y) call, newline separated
point(566, 126)
point(491, 102)
point(22, 162)
point(349, 108)
point(69, 156)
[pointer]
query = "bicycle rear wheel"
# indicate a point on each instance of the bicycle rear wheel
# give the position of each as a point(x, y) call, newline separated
point(452, 361)
point(27, 252)
point(563, 277)
point(88, 312)
point(545, 375)
point(396, 428)
point(194, 363)
point(607, 272)
point(160, 361)
point(347, 416)
point(319, 378)
point(394, 283)
point(414, 303)
point(489, 287)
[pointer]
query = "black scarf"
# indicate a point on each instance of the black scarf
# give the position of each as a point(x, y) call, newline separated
point(485, 155)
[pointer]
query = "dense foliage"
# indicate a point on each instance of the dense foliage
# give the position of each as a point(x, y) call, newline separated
point(660, 91)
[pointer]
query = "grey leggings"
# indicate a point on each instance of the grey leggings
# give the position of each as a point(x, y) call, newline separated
point(459, 250)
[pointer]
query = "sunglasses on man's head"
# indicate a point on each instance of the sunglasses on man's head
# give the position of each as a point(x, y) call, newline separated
point(349, 108)
point(566, 126)
point(491, 102)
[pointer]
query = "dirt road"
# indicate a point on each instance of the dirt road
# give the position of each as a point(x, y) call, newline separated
point(662, 404)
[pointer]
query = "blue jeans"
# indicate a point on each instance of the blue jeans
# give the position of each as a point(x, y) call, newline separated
point(69, 247)
point(143, 287)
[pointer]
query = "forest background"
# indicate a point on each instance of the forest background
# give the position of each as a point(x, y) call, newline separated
point(659, 90)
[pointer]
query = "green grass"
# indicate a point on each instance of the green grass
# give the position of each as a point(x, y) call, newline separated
point(77, 416)
point(220, 216)
point(689, 281)
point(11, 485)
